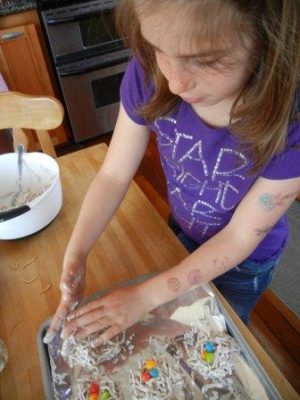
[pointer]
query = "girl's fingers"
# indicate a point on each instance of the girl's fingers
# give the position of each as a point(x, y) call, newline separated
point(56, 322)
point(107, 335)
point(83, 321)
point(84, 310)
point(96, 326)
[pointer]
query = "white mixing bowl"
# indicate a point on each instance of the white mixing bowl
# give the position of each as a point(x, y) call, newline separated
point(29, 204)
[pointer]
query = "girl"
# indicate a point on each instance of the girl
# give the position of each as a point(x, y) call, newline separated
point(218, 82)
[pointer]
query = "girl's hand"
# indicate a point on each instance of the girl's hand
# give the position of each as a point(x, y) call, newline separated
point(108, 315)
point(72, 285)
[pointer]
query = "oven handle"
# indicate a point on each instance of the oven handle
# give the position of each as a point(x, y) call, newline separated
point(74, 13)
point(82, 70)
point(69, 17)
point(61, 20)
point(77, 70)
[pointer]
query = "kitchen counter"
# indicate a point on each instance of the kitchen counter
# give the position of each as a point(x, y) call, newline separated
point(16, 6)
point(136, 242)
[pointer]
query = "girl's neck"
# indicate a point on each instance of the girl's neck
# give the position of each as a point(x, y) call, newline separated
point(216, 116)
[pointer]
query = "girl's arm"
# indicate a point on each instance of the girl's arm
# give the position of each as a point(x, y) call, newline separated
point(110, 185)
point(255, 216)
point(103, 197)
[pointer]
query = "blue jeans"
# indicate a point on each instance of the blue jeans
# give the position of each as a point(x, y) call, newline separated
point(243, 285)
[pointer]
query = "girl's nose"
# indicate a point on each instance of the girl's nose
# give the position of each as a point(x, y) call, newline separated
point(179, 80)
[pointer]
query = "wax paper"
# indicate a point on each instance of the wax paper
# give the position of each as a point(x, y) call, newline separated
point(172, 335)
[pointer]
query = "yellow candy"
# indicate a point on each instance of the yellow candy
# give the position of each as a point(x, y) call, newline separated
point(149, 364)
point(203, 354)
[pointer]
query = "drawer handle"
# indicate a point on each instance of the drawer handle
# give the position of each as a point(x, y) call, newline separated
point(11, 35)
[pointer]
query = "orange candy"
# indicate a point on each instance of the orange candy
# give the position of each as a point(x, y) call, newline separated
point(93, 396)
point(203, 354)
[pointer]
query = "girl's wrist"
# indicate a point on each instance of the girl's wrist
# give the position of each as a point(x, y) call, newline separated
point(153, 291)
point(72, 257)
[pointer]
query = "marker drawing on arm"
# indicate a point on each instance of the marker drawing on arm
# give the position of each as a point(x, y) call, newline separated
point(269, 201)
point(195, 277)
point(222, 264)
point(173, 284)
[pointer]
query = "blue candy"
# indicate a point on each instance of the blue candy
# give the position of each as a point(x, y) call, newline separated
point(209, 347)
point(154, 372)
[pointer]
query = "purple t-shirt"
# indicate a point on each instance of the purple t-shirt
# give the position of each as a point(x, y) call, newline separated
point(207, 174)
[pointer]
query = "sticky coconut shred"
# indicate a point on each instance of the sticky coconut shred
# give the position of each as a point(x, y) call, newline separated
point(133, 380)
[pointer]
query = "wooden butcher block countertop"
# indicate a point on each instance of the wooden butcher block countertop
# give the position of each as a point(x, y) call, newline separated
point(136, 242)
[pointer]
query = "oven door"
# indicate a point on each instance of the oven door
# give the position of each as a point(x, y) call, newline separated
point(91, 96)
point(82, 30)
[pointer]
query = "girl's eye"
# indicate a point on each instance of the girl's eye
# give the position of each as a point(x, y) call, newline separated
point(202, 64)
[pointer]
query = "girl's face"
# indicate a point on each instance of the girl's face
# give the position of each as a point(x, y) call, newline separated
point(194, 72)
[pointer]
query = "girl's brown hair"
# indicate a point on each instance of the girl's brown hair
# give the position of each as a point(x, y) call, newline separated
point(270, 100)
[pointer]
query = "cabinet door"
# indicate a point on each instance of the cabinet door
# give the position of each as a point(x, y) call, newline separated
point(23, 66)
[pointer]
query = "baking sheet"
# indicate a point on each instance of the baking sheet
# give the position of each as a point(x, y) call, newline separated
point(196, 310)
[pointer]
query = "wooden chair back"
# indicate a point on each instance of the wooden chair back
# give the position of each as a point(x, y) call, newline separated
point(41, 113)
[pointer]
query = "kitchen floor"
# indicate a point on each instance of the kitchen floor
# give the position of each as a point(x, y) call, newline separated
point(278, 334)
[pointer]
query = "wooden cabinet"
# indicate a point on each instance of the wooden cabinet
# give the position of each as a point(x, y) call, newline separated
point(24, 66)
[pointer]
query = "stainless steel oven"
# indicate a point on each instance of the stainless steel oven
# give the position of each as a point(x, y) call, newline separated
point(89, 59)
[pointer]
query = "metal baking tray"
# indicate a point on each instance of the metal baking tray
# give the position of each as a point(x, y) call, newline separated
point(246, 351)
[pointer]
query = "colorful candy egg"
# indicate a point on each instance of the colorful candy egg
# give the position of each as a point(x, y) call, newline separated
point(145, 376)
point(149, 364)
point(203, 354)
point(154, 372)
point(210, 357)
point(105, 395)
point(94, 388)
point(93, 396)
point(209, 347)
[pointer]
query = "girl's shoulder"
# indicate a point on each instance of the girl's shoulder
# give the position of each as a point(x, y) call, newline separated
point(286, 164)
point(293, 134)
point(135, 91)
point(135, 71)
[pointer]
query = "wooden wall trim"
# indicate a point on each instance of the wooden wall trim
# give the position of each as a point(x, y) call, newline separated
point(281, 321)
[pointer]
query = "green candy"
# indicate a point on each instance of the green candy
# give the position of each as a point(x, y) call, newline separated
point(105, 395)
point(209, 358)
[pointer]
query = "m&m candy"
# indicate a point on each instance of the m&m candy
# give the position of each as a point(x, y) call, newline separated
point(154, 373)
point(207, 352)
point(93, 391)
point(203, 354)
point(145, 376)
point(93, 396)
point(210, 357)
point(150, 371)
point(209, 347)
point(94, 388)
point(105, 395)
point(149, 364)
